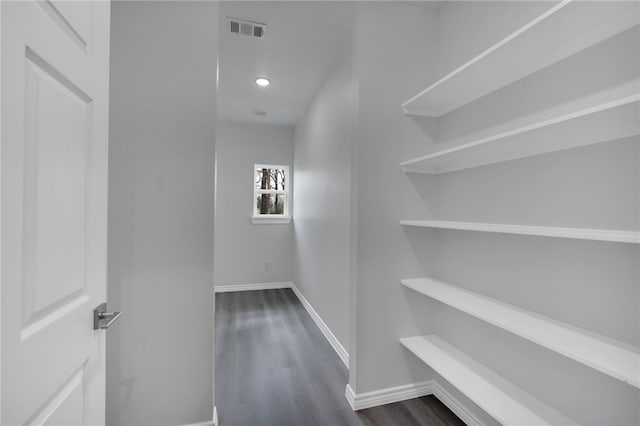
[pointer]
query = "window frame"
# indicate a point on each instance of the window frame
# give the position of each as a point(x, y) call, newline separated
point(262, 219)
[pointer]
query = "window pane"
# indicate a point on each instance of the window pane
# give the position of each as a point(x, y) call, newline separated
point(270, 204)
point(270, 179)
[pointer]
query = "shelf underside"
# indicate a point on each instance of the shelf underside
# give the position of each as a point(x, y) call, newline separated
point(564, 29)
point(604, 122)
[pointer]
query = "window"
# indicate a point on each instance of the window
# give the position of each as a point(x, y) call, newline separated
point(271, 194)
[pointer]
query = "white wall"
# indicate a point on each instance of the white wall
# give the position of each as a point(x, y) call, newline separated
point(590, 284)
point(393, 49)
point(161, 207)
point(248, 253)
point(322, 198)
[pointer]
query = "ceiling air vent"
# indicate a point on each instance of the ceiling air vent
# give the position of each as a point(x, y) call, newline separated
point(260, 112)
point(248, 28)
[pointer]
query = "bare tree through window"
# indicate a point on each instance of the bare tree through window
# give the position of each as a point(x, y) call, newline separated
point(271, 190)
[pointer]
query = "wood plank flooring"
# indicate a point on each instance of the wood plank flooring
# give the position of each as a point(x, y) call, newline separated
point(275, 368)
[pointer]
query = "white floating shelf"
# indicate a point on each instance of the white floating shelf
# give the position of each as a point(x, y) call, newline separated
point(500, 398)
point(631, 237)
point(606, 355)
point(600, 123)
point(566, 28)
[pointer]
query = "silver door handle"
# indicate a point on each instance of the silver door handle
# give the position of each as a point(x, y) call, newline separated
point(103, 319)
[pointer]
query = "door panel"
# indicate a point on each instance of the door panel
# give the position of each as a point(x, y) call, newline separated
point(76, 20)
point(65, 406)
point(57, 124)
point(54, 192)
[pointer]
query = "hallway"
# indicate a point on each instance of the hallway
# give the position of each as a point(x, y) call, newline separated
point(274, 367)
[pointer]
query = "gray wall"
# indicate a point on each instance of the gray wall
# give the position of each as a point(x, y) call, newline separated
point(161, 207)
point(248, 253)
point(593, 285)
point(322, 198)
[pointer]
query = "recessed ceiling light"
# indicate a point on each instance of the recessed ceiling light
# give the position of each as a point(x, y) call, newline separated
point(262, 82)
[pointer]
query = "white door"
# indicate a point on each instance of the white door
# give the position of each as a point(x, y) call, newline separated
point(54, 210)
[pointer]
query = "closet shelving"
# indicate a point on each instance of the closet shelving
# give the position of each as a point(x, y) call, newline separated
point(631, 237)
point(608, 356)
point(564, 29)
point(600, 123)
point(500, 398)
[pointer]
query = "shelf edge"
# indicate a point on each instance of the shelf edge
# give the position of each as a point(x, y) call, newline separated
point(531, 408)
point(488, 51)
point(608, 235)
point(603, 341)
point(407, 165)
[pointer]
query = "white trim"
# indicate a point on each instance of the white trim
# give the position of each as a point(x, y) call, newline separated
point(213, 422)
point(351, 396)
point(272, 191)
point(225, 288)
point(410, 391)
point(270, 219)
point(333, 340)
point(455, 405)
point(207, 423)
point(388, 395)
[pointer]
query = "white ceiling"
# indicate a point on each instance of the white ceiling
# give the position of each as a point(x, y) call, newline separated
point(301, 42)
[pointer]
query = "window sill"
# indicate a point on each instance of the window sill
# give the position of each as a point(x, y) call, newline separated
point(270, 220)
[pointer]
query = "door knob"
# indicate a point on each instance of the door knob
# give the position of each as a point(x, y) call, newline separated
point(103, 319)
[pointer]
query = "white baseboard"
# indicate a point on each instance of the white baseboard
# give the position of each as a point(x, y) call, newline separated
point(333, 340)
point(351, 397)
point(224, 288)
point(388, 395)
point(455, 405)
point(414, 390)
point(213, 422)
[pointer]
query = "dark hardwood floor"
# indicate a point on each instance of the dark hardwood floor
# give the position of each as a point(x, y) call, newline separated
point(275, 368)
